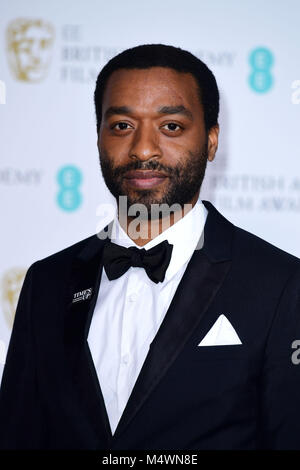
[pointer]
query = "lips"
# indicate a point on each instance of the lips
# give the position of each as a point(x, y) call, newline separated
point(144, 179)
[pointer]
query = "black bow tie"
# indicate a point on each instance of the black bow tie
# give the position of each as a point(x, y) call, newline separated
point(118, 259)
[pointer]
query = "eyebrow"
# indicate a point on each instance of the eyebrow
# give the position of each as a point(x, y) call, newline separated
point(117, 110)
point(112, 110)
point(176, 110)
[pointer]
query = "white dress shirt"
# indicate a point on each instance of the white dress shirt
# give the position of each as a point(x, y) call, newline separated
point(130, 310)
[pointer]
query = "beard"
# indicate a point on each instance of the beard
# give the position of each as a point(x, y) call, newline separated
point(185, 179)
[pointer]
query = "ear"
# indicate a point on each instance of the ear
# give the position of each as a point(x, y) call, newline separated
point(213, 135)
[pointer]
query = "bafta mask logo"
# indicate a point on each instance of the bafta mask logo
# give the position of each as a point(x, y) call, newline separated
point(11, 284)
point(29, 44)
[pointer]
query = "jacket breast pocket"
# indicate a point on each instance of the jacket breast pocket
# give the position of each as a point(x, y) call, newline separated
point(218, 353)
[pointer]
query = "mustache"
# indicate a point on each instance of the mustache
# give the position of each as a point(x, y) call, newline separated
point(149, 165)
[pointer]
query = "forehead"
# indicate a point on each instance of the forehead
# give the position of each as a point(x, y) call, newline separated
point(156, 86)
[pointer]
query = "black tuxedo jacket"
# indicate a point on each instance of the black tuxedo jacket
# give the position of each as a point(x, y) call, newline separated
point(244, 396)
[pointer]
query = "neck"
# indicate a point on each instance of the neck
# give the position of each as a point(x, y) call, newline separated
point(142, 231)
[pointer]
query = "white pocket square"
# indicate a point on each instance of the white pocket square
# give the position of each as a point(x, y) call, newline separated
point(221, 333)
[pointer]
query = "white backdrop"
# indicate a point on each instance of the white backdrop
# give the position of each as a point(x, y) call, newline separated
point(50, 180)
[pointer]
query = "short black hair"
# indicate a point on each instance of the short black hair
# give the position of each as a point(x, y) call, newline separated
point(160, 55)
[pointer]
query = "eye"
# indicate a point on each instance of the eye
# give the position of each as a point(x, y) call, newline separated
point(121, 126)
point(172, 127)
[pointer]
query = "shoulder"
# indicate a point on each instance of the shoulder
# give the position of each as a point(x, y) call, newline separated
point(63, 259)
point(266, 270)
point(260, 253)
point(246, 249)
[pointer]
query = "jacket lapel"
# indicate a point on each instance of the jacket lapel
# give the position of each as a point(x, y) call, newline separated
point(205, 273)
point(81, 300)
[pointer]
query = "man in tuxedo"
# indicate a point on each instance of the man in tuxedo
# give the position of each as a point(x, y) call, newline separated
point(173, 333)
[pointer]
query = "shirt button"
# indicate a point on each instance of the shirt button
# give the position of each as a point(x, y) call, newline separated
point(125, 359)
point(133, 297)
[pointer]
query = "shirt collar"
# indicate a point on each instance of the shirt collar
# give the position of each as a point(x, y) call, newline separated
point(183, 235)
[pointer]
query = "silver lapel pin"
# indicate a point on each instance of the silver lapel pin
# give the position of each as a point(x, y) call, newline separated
point(82, 295)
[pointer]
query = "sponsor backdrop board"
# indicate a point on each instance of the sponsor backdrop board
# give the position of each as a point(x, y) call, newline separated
point(51, 190)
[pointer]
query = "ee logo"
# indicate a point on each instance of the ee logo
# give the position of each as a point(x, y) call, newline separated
point(69, 179)
point(260, 78)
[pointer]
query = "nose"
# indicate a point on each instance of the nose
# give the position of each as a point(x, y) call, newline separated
point(145, 143)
